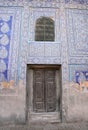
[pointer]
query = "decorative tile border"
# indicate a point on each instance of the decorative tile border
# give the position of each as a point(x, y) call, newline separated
point(77, 24)
point(78, 76)
point(35, 13)
point(78, 72)
point(9, 42)
point(39, 3)
point(77, 1)
point(5, 36)
point(78, 60)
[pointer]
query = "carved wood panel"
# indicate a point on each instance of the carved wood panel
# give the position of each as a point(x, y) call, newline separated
point(38, 91)
point(44, 90)
point(50, 90)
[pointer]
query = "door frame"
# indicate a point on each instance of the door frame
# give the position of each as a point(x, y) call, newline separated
point(44, 116)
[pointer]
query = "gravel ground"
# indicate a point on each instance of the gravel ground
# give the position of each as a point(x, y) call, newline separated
point(60, 126)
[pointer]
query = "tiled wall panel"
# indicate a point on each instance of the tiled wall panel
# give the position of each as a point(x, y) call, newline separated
point(10, 19)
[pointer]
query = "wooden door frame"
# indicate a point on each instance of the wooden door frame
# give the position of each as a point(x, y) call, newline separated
point(45, 116)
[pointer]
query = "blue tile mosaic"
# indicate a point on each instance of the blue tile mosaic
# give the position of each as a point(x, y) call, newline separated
point(5, 35)
point(81, 76)
point(77, 1)
point(78, 73)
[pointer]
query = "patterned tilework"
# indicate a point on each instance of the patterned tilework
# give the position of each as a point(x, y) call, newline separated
point(49, 54)
point(77, 28)
point(5, 36)
point(35, 3)
point(77, 37)
point(78, 73)
point(81, 76)
point(77, 1)
point(41, 3)
point(44, 50)
point(77, 34)
point(9, 43)
point(78, 60)
point(24, 45)
point(43, 0)
point(36, 13)
point(39, 52)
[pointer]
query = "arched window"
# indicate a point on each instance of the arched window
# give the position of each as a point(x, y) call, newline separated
point(44, 30)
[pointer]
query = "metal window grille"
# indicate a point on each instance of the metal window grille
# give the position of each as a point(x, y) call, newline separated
point(44, 30)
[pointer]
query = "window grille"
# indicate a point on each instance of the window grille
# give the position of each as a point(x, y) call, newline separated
point(44, 30)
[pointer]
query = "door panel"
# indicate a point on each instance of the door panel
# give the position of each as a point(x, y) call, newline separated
point(50, 90)
point(38, 91)
point(44, 90)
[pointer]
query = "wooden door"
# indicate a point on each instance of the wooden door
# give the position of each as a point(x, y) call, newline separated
point(50, 90)
point(38, 91)
point(44, 90)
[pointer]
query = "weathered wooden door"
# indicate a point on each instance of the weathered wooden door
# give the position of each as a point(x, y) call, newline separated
point(44, 90)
